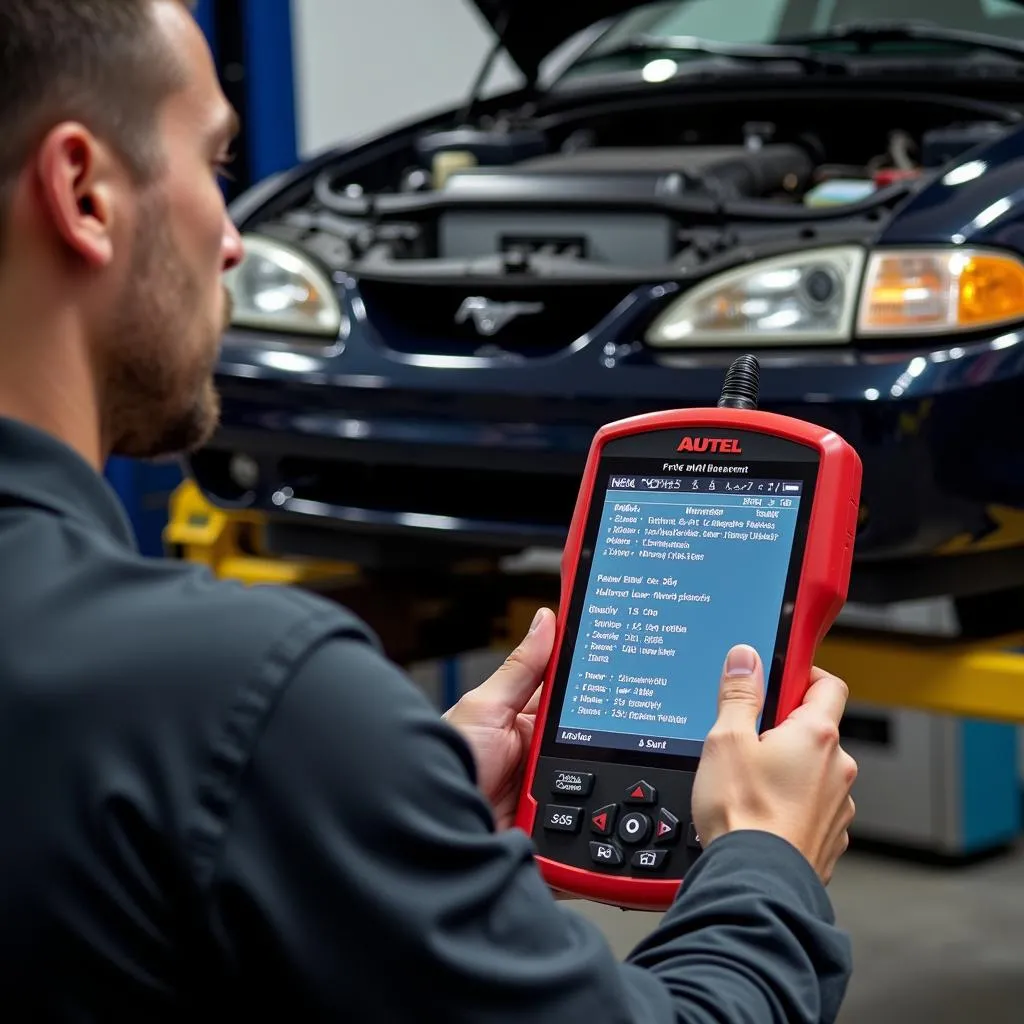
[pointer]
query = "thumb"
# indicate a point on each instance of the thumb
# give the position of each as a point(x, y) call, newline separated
point(516, 681)
point(741, 690)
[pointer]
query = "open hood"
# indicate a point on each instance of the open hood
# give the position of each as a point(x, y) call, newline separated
point(532, 29)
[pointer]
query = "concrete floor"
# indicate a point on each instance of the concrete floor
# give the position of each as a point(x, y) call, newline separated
point(934, 945)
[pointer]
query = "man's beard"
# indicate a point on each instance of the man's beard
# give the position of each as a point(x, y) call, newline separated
point(160, 397)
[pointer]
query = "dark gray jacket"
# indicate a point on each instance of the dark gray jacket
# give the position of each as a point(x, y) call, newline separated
point(219, 801)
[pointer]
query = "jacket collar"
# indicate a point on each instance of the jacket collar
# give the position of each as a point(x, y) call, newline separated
point(37, 469)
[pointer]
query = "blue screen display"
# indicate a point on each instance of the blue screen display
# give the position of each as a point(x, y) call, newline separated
point(682, 569)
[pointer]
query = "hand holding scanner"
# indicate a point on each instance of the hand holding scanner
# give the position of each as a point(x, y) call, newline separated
point(694, 530)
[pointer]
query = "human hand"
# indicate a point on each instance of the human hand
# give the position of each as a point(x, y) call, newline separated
point(497, 718)
point(793, 780)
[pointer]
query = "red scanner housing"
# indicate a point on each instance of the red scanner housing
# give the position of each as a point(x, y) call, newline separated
point(613, 785)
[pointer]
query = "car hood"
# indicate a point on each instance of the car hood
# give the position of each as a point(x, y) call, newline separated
point(532, 29)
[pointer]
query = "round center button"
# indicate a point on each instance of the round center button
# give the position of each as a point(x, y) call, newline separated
point(635, 827)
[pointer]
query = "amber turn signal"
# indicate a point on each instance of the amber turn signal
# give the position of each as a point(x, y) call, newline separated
point(954, 290)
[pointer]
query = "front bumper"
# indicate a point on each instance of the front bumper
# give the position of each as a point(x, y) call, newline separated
point(386, 458)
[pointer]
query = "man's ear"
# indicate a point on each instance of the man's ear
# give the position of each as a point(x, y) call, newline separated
point(77, 175)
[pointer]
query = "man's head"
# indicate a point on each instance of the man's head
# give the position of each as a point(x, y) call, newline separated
point(115, 133)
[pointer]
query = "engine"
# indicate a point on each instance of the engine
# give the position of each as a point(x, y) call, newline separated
point(558, 223)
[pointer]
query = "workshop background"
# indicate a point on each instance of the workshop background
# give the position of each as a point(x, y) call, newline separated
point(933, 891)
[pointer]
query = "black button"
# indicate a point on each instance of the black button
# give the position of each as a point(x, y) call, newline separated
point(649, 860)
point(605, 853)
point(692, 839)
point(572, 783)
point(634, 828)
point(562, 819)
point(602, 821)
point(641, 793)
point(666, 828)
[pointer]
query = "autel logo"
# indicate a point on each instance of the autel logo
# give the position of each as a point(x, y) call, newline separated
point(714, 445)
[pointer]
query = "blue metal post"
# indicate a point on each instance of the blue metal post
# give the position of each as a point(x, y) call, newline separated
point(270, 75)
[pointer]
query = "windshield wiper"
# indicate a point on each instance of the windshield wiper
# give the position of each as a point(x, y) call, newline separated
point(867, 34)
point(758, 52)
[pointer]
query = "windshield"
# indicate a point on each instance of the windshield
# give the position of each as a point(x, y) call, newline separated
point(771, 21)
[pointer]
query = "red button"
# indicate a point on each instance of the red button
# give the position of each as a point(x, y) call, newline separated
point(641, 793)
point(602, 821)
point(667, 827)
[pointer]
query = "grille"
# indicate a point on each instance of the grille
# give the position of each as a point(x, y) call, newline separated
point(441, 319)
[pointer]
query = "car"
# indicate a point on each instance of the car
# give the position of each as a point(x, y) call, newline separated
point(430, 325)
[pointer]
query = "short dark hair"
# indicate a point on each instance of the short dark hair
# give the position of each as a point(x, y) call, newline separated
point(96, 61)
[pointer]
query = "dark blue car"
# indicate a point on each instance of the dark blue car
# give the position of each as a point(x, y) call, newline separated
point(430, 326)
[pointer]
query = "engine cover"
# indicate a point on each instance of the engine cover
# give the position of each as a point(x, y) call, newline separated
point(623, 237)
point(723, 171)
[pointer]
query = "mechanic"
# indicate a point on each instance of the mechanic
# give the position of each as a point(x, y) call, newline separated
point(225, 800)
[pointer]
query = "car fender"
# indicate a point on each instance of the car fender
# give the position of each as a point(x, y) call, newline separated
point(978, 199)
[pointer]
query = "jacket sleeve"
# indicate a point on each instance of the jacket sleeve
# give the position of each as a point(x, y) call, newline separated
point(361, 878)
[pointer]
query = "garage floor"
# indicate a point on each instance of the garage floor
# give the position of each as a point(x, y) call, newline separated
point(936, 945)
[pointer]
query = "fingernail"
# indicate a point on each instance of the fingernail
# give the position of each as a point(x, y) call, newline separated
point(536, 622)
point(741, 661)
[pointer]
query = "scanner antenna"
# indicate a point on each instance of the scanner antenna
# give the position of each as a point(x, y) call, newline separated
point(740, 390)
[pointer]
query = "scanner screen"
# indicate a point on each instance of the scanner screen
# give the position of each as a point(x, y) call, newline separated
point(681, 569)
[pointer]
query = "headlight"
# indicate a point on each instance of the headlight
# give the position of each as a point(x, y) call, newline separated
point(801, 298)
point(277, 288)
point(922, 291)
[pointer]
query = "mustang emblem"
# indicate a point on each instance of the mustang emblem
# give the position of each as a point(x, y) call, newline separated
point(490, 317)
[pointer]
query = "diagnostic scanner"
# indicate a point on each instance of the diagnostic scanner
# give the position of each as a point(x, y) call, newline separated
point(694, 530)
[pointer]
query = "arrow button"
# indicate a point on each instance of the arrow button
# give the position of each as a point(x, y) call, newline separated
point(602, 821)
point(666, 828)
point(641, 793)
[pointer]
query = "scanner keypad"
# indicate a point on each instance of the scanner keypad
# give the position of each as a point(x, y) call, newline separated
point(606, 817)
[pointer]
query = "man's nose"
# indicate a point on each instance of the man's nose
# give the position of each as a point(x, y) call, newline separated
point(233, 250)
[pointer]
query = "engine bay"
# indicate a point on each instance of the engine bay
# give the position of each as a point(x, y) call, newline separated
point(640, 191)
